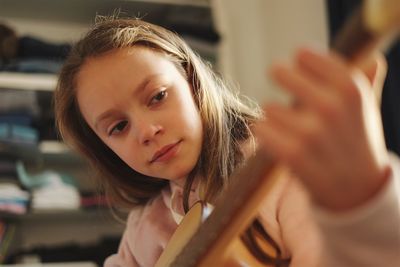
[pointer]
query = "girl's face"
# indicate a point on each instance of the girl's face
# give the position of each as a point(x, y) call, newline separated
point(142, 107)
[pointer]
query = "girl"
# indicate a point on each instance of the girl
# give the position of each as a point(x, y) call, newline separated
point(164, 131)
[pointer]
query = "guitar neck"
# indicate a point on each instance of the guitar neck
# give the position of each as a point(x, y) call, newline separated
point(233, 212)
point(373, 25)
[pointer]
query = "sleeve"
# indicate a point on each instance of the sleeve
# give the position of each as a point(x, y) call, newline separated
point(124, 256)
point(299, 233)
point(368, 236)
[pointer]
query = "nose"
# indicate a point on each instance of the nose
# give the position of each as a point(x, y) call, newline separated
point(146, 131)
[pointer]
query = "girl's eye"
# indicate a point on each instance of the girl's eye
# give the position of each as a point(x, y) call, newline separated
point(159, 97)
point(118, 128)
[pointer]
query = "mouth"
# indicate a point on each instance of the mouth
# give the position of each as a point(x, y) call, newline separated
point(165, 153)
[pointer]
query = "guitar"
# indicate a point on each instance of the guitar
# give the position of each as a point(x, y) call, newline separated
point(217, 234)
point(206, 238)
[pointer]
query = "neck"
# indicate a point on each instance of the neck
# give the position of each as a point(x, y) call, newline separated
point(180, 181)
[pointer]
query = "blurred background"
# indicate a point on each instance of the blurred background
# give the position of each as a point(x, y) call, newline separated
point(49, 208)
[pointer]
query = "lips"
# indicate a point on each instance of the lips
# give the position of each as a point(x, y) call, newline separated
point(165, 153)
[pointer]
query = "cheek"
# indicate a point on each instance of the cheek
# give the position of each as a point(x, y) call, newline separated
point(190, 115)
point(136, 163)
point(133, 160)
point(195, 123)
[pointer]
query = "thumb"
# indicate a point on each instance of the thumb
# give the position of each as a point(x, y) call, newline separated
point(375, 69)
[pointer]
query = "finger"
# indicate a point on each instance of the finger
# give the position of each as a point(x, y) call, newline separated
point(305, 91)
point(318, 170)
point(293, 133)
point(327, 68)
point(375, 68)
point(290, 153)
point(303, 125)
point(273, 139)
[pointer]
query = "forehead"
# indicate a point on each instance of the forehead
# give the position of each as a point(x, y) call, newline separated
point(121, 68)
point(105, 81)
point(132, 60)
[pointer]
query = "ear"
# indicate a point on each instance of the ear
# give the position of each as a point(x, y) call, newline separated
point(375, 69)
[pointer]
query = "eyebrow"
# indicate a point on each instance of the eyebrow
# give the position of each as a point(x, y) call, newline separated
point(136, 91)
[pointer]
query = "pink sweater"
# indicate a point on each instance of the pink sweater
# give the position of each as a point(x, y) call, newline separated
point(310, 236)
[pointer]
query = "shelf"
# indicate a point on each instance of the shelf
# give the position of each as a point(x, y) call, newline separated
point(55, 151)
point(24, 152)
point(200, 3)
point(28, 81)
point(45, 151)
point(77, 11)
point(60, 214)
point(60, 264)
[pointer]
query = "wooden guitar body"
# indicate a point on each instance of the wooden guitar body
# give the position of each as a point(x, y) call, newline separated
point(214, 240)
point(236, 254)
point(186, 229)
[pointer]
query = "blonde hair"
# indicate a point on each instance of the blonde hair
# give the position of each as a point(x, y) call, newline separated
point(225, 117)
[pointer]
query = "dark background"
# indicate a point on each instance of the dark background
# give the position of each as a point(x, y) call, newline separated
point(338, 11)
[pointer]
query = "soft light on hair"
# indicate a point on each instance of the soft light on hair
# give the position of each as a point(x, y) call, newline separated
point(226, 118)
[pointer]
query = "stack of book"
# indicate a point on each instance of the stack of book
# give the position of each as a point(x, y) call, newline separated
point(13, 198)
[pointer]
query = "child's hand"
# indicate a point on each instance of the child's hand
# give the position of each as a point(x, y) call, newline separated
point(332, 137)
